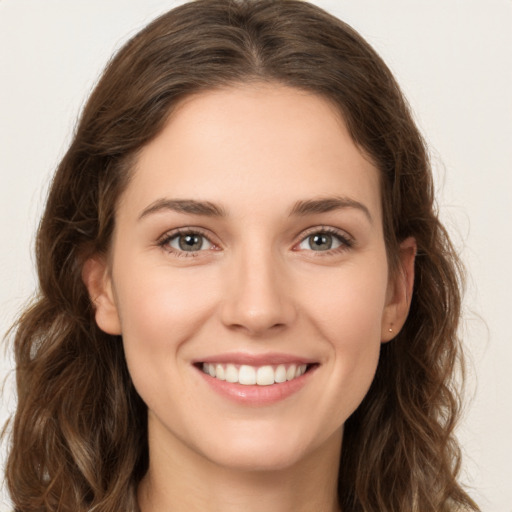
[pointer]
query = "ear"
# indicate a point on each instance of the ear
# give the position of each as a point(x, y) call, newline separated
point(97, 279)
point(399, 292)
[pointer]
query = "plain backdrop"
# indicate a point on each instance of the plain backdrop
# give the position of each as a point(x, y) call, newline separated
point(453, 59)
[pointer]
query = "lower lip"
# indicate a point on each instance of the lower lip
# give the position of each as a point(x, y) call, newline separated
point(257, 395)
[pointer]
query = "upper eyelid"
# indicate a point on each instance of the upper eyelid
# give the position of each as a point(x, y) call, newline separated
point(168, 235)
point(171, 233)
point(164, 239)
point(326, 229)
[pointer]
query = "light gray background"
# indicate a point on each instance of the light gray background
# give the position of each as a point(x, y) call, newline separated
point(453, 59)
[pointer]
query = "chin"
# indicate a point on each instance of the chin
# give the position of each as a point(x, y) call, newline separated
point(268, 451)
point(256, 459)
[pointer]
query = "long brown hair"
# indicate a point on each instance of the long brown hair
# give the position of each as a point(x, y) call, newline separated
point(79, 439)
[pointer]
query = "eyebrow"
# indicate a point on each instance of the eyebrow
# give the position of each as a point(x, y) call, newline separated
point(209, 209)
point(328, 204)
point(191, 206)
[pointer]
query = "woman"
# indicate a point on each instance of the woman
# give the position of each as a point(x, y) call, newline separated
point(245, 289)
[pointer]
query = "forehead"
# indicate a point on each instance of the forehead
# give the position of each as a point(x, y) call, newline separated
point(254, 145)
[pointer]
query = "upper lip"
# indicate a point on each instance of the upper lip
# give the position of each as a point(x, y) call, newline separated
point(255, 359)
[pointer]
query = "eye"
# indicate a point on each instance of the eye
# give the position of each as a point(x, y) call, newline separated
point(186, 241)
point(324, 240)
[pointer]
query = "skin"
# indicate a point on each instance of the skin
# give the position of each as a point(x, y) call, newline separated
point(256, 287)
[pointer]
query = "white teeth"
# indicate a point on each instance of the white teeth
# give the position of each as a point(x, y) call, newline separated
point(265, 376)
point(231, 373)
point(247, 375)
point(290, 373)
point(250, 375)
point(219, 372)
point(280, 373)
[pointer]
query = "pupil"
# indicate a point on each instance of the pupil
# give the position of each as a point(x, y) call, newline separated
point(190, 242)
point(321, 242)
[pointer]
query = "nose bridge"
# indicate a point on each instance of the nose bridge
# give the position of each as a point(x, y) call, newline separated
point(257, 297)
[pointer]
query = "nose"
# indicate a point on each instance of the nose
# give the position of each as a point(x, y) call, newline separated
point(258, 299)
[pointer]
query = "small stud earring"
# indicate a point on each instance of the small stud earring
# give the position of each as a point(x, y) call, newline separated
point(390, 329)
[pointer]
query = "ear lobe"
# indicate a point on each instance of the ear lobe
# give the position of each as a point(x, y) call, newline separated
point(96, 277)
point(400, 289)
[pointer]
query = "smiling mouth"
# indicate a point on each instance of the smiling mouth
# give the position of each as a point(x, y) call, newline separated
point(248, 375)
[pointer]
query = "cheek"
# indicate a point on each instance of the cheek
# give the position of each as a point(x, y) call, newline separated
point(347, 306)
point(160, 312)
point(348, 318)
point(161, 307)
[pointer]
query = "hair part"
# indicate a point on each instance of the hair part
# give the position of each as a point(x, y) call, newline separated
point(79, 436)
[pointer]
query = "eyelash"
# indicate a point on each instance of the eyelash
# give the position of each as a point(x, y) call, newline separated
point(346, 242)
point(168, 237)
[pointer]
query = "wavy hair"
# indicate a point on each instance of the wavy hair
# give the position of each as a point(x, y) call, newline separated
point(79, 435)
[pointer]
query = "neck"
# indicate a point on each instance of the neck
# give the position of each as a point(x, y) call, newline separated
point(187, 482)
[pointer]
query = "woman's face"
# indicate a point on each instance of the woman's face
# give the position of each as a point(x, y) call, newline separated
point(249, 244)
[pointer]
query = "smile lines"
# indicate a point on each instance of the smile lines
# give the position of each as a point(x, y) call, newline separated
point(252, 375)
